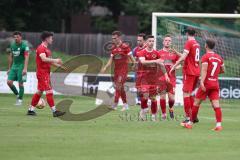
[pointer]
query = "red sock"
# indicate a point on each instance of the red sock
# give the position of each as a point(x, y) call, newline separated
point(163, 105)
point(123, 96)
point(218, 114)
point(194, 113)
point(154, 107)
point(171, 103)
point(117, 95)
point(35, 99)
point(192, 101)
point(50, 99)
point(187, 106)
point(144, 103)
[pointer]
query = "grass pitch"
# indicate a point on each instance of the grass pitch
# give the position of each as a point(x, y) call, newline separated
point(115, 135)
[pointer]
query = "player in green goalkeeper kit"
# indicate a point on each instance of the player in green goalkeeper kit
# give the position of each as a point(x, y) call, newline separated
point(18, 63)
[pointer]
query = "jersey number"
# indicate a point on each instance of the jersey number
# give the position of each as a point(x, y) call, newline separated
point(215, 64)
point(197, 55)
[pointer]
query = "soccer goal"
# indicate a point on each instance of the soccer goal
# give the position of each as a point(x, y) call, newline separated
point(224, 28)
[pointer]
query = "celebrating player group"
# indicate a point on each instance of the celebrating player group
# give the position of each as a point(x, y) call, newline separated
point(155, 75)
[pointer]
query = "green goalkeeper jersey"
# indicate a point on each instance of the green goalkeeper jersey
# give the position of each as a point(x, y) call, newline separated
point(18, 51)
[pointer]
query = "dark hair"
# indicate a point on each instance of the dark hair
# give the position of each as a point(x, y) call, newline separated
point(149, 36)
point(118, 33)
point(46, 34)
point(143, 35)
point(210, 43)
point(17, 33)
point(191, 31)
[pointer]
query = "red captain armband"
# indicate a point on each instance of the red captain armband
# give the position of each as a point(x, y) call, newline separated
point(26, 54)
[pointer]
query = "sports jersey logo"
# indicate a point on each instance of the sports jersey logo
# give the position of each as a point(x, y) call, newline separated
point(154, 56)
point(16, 53)
point(118, 56)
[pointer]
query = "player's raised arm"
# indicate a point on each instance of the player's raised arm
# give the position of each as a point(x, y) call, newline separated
point(44, 58)
point(180, 60)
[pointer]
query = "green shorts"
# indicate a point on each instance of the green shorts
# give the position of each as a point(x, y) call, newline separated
point(15, 74)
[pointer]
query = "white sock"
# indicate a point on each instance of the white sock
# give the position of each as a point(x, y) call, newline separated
point(218, 124)
point(31, 108)
point(53, 108)
point(188, 118)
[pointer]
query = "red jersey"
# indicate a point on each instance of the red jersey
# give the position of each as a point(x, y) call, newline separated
point(214, 62)
point(169, 59)
point(136, 54)
point(43, 67)
point(151, 73)
point(191, 64)
point(136, 50)
point(120, 56)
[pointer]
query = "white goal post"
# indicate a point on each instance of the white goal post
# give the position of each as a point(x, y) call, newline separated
point(184, 15)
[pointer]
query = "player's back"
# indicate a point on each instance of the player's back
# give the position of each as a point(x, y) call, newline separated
point(215, 62)
point(191, 64)
point(42, 67)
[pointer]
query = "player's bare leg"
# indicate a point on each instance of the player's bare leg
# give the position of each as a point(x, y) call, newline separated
point(34, 102)
point(218, 115)
point(171, 101)
point(163, 106)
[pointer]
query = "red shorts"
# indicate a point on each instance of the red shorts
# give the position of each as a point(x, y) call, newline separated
point(44, 83)
point(190, 83)
point(213, 94)
point(148, 90)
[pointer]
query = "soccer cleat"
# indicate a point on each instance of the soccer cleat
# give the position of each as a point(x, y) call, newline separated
point(31, 113)
point(164, 116)
point(18, 102)
point(171, 113)
point(188, 126)
point(196, 120)
point(58, 113)
point(154, 118)
point(114, 106)
point(219, 128)
point(125, 107)
point(184, 122)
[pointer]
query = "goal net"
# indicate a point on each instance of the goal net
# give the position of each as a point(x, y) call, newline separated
point(224, 28)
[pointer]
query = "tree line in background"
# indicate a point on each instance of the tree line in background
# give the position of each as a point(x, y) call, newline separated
point(38, 15)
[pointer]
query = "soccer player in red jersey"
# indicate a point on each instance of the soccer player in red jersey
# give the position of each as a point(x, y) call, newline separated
point(191, 71)
point(169, 56)
point(212, 66)
point(140, 46)
point(150, 78)
point(120, 55)
point(44, 62)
